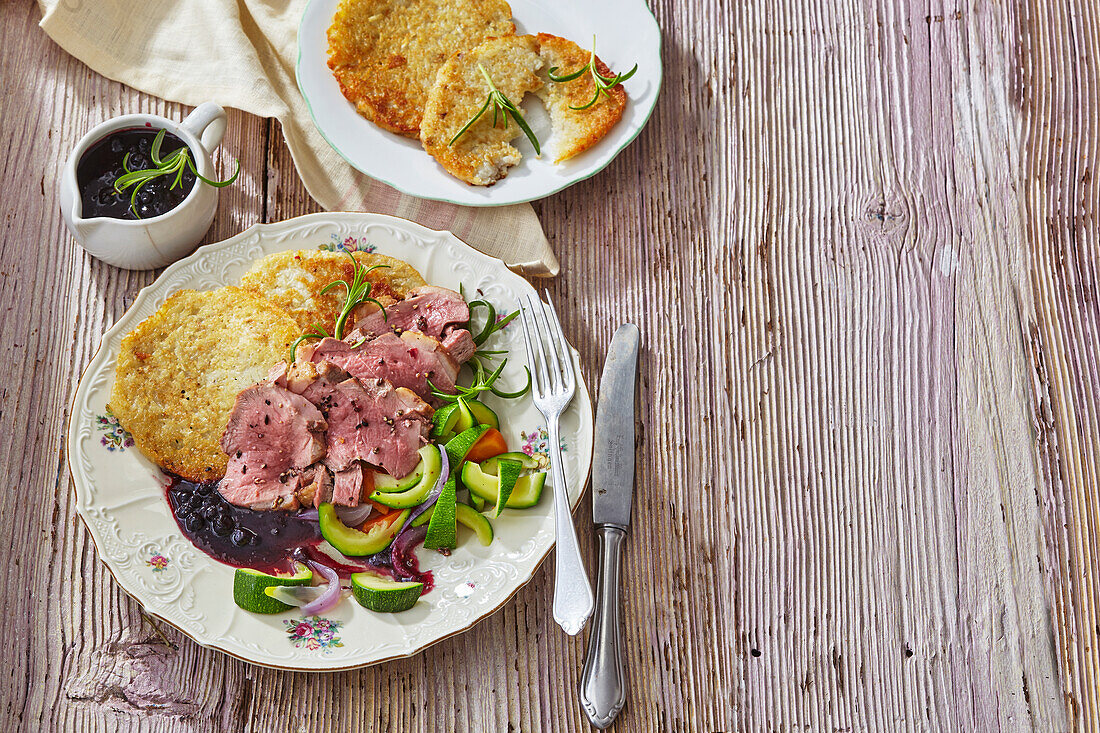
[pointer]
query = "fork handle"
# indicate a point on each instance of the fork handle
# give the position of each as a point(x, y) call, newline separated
point(573, 600)
point(603, 681)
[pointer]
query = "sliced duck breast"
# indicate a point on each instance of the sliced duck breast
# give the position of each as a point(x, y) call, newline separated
point(370, 421)
point(459, 344)
point(410, 360)
point(271, 436)
point(426, 309)
point(315, 486)
point(348, 485)
point(302, 374)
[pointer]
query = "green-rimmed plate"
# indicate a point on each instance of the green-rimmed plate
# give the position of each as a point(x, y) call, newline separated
point(626, 33)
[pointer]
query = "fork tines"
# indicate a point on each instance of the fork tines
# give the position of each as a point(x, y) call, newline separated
point(554, 375)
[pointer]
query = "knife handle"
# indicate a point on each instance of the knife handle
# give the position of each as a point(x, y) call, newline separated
point(603, 681)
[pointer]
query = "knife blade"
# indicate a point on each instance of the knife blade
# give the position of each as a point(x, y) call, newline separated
point(613, 458)
point(603, 680)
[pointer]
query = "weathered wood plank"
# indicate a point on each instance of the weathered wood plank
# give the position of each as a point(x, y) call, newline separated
point(87, 660)
point(1056, 87)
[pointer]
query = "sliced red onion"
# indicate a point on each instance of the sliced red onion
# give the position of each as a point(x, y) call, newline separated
point(331, 594)
point(344, 563)
point(295, 595)
point(351, 516)
point(355, 515)
point(444, 474)
point(402, 549)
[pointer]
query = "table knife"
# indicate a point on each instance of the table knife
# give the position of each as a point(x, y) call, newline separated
point(603, 683)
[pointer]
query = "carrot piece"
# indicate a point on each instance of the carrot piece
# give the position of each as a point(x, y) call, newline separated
point(380, 508)
point(376, 517)
point(489, 445)
point(368, 485)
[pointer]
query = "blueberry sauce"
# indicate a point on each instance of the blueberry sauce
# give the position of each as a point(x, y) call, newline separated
point(270, 541)
point(101, 165)
point(234, 535)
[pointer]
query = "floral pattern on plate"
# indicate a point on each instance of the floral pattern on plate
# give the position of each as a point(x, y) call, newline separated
point(349, 243)
point(537, 444)
point(158, 562)
point(116, 437)
point(313, 633)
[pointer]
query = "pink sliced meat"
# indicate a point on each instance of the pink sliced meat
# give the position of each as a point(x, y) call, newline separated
point(301, 374)
point(428, 309)
point(371, 421)
point(315, 486)
point(410, 360)
point(348, 485)
point(459, 344)
point(272, 435)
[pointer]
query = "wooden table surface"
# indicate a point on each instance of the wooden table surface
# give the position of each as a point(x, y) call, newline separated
point(860, 238)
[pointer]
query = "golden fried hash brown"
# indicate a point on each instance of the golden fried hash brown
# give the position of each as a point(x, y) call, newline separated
point(385, 53)
point(482, 155)
point(576, 130)
point(179, 372)
point(293, 281)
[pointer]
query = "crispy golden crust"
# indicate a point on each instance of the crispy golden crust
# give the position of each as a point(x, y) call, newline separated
point(179, 372)
point(385, 53)
point(482, 155)
point(293, 281)
point(576, 130)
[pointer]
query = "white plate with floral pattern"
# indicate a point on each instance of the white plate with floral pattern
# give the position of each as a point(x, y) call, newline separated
point(121, 494)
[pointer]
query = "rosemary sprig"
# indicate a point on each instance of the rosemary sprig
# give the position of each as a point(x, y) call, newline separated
point(482, 383)
point(356, 293)
point(492, 325)
point(502, 109)
point(173, 164)
point(603, 83)
point(316, 333)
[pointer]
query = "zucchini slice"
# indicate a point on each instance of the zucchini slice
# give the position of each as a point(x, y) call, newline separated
point(355, 543)
point(483, 414)
point(431, 465)
point(526, 492)
point(249, 585)
point(383, 594)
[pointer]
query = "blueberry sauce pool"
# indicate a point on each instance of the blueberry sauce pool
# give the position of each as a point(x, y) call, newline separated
point(270, 541)
point(234, 535)
point(101, 165)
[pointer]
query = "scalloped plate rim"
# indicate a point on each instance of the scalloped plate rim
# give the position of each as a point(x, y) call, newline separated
point(163, 281)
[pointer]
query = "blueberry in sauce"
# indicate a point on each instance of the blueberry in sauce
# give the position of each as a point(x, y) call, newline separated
point(234, 535)
point(271, 541)
point(101, 165)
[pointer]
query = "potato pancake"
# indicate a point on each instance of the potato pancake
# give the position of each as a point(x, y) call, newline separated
point(385, 53)
point(179, 372)
point(482, 155)
point(576, 130)
point(293, 281)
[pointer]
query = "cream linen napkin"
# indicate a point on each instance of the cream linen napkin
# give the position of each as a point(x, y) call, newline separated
point(241, 53)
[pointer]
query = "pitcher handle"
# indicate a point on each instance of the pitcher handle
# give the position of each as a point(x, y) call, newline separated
point(207, 123)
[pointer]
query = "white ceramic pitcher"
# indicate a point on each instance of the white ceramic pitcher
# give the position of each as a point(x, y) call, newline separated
point(142, 244)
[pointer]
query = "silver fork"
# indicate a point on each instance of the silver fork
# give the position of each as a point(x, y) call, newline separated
point(553, 384)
